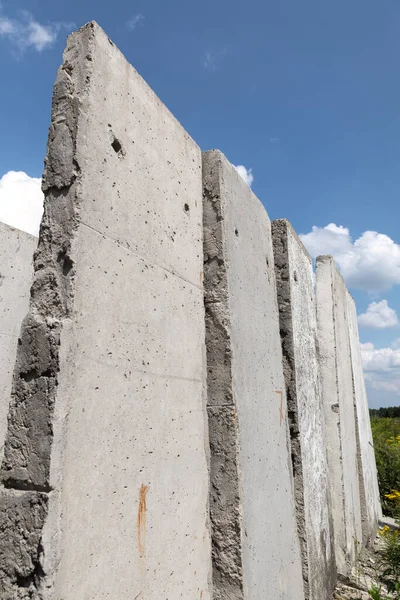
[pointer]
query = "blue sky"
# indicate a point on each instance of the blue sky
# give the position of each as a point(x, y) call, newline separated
point(305, 94)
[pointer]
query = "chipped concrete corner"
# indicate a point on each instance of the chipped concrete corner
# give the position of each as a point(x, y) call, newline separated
point(225, 509)
point(296, 301)
point(25, 471)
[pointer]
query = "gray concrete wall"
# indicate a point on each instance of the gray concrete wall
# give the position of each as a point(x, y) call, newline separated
point(111, 368)
point(255, 544)
point(338, 400)
point(16, 273)
point(296, 301)
point(371, 510)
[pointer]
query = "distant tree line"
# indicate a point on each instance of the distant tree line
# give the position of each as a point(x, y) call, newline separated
point(391, 412)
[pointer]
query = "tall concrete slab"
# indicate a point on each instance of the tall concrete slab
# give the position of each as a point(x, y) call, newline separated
point(256, 549)
point(16, 273)
point(338, 401)
point(371, 510)
point(298, 326)
point(109, 475)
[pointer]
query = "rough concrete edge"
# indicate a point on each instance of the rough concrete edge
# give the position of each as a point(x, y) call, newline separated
point(280, 229)
point(320, 260)
point(225, 511)
point(360, 470)
point(297, 239)
point(26, 467)
point(337, 278)
point(368, 537)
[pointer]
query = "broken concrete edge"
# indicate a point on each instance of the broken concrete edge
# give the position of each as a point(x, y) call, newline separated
point(348, 531)
point(25, 470)
point(328, 372)
point(352, 492)
point(22, 517)
point(225, 513)
point(368, 479)
point(361, 483)
point(280, 229)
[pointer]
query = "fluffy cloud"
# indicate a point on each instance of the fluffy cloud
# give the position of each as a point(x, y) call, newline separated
point(213, 58)
point(135, 21)
point(379, 315)
point(370, 263)
point(381, 367)
point(21, 201)
point(245, 174)
point(26, 32)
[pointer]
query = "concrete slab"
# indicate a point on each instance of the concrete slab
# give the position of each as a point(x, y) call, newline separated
point(338, 401)
point(255, 543)
point(111, 368)
point(16, 274)
point(371, 510)
point(298, 326)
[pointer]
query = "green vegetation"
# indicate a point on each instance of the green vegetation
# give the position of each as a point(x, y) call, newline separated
point(386, 436)
point(385, 423)
point(392, 412)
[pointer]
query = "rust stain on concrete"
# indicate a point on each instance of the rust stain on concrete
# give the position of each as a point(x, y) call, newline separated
point(280, 406)
point(141, 519)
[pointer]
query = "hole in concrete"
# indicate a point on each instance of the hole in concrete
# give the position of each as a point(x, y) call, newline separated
point(186, 207)
point(116, 144)
point(236, 233)
point(67, 266)
point(295, 275)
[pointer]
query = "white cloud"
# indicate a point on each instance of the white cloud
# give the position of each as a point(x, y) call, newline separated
point(381, 367)
point(21, 201)
point(245, 174)
point(209, 61)
point(26, 32)
point(213, 58)
point(135, 21)
point(370, 263)
point(379, 315)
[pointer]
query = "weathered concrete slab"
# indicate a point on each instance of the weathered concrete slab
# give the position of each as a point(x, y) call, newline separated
point(298, 326)
point(110, 376)
point(371, 510)
point(255, 544)
point(16, 273)
point(338, 400)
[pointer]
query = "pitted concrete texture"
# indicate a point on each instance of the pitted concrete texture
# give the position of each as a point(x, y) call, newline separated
point(371, 510)
point(16, 274)
point(22, 517)
point(338, 400)
point(112, 358)
point(296, 301)
point(256, 550)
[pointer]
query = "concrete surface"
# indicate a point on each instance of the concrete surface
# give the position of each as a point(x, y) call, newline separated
point(16, 274)
point(256, 550)
point(371, 510)
point(298, 326)
point(112, 361)
point(338, 400)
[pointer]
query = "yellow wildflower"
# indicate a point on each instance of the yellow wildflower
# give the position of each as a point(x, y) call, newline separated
point(394, 495)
